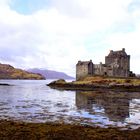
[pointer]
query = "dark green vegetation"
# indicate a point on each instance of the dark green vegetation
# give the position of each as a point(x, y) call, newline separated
point(99, 83)
point(10, 130)
point(9, 72)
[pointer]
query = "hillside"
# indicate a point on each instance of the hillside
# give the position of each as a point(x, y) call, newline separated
point(49, 74)
point(9, 72)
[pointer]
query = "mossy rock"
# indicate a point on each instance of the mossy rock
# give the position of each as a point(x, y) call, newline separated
point(60, 81)
point(57, 82)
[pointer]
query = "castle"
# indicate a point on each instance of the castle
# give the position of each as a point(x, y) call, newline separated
point(117, 64)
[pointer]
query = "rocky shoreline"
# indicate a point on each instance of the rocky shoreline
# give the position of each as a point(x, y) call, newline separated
point(96, 85)
point(5, 84)
point(11, 130)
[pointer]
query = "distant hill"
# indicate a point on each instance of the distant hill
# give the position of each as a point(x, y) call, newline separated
point(9, 72)
point(50, 74)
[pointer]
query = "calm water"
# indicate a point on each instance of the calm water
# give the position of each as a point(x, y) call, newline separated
point(33, 101)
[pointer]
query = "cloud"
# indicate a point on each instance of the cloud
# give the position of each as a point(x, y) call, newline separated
point(4, 3)
point(58, 36)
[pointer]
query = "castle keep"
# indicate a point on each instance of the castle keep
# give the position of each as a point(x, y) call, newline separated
point(117, 64)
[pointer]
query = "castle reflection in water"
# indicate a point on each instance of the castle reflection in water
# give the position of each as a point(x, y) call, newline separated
point(115, 105)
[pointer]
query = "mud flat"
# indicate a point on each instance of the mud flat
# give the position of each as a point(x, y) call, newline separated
point(98, 83)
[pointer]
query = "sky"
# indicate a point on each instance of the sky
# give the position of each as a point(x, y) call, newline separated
point(55, 34)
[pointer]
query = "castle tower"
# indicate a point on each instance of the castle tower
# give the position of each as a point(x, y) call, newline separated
point(119, 61)
point(83, 69)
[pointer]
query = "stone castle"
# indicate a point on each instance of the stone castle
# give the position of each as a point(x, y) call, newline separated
point(117, 64)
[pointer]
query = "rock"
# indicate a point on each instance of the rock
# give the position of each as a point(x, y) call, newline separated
point(60, 81)
point(4, 84)
point(57, 82)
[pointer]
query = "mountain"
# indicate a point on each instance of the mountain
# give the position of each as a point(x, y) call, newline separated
point(50, 74)
point(9, 72)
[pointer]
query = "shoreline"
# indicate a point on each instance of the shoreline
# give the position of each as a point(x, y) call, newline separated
point(15, 130)
point(90, 86)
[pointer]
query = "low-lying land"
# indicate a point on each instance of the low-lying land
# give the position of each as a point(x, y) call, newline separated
point(10, 130)
point(4, 84)
point(99, 83)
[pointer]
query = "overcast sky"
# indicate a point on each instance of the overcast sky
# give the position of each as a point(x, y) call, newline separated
point(55, 34)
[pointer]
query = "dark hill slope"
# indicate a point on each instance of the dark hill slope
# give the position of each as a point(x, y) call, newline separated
point(9, 72)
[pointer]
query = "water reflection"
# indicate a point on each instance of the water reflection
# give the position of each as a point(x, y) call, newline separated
point(117, 106)
point(35, 102)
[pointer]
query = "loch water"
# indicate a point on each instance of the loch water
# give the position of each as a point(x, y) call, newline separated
point(33, 101)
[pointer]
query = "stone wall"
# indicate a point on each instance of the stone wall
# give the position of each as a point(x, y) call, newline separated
point(120, 62)
point(117, 64)
point(81, 71)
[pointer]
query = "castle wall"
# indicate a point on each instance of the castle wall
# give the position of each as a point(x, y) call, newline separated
point(97, 69)
point(109, 71)
point(83, 70)
point(90, 68)
point(120, 62)
point(117, 64)
point(109, 60)
point(103, 70)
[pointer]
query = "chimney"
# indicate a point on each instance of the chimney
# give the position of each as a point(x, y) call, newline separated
point(79, 61)
point(123, 49)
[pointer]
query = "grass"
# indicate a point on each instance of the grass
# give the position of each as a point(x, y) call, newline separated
point(108, 80)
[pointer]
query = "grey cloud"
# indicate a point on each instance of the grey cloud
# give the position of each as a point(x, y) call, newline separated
point(18, 41)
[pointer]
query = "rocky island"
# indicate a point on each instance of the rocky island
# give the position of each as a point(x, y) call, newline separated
point(99, 83)
point(9, 72)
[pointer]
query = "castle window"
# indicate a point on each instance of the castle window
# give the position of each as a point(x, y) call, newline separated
point(105, 73)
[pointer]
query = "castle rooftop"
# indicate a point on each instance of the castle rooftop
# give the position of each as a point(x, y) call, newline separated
point(117, 53)
point(83, 62)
